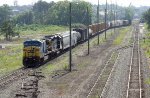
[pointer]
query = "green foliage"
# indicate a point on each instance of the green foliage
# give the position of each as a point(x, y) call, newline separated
point(121, 36)
point(146, 16)
point(36, 27)
point(50, 13)
point(78, 25)
point(7, 29)
point(40, 29)
point(40, 10)
point(145, 43)
point(5, 13)
point(59, 13)
point(10, 59)
point(24, 18)
point(129, 13)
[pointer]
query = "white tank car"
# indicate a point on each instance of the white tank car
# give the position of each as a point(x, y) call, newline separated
point(66, 38)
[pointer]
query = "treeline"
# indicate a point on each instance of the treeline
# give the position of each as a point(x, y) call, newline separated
point(43, 13)
point(55, 13)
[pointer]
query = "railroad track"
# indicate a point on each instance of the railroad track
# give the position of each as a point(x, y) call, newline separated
point(134, 87)
point(105, 74)
point(99, 86)
point(17, 74)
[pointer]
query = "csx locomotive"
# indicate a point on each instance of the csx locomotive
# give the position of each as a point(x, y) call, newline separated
point(36, 51)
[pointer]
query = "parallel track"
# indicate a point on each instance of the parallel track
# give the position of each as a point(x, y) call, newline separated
point(134, 89)
point(107, 70)
point(17, 74)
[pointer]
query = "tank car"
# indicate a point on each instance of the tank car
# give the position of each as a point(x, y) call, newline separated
point(75, 37)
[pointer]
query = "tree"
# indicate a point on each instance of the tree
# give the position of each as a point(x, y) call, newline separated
point(40, 10)
point(129, 13)
point(59, 13)
point(7, 29)
point(24, 18)
point(146, 16)
point(5, 13)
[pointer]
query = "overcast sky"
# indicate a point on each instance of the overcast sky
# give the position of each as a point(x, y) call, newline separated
point(136, 3)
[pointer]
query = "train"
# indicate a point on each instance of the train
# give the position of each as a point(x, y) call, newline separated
point(36, 51)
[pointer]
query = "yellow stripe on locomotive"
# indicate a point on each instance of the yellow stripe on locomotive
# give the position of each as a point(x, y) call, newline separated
point(31, 51)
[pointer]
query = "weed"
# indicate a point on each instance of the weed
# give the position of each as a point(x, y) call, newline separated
point(10, 59)
point(121, 36)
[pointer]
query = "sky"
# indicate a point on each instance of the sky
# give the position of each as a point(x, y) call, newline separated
point(136, 3)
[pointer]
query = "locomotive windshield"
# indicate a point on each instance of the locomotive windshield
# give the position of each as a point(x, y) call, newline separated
point(32, 43)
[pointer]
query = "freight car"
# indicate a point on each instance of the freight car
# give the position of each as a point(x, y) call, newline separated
point(98, 27)
point(36, 52)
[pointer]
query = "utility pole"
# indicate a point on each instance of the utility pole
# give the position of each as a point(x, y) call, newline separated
point(105, 18)
point(88, 30)
point(111, 12)
point(114, 18)
point(70, 54)
point(111, 18)
point(116, 11)
point(98, 21)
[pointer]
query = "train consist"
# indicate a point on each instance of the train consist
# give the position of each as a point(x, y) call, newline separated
point(36, 51)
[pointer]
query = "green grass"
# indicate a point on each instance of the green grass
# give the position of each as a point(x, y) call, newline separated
point(62, 64)
point(146, 44)
point(34, 31)
point(40, 29)
point(102, 39)
point(123, 32)
point(10, 59)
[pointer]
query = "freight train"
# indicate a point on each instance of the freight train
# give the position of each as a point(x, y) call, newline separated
point(36, 51)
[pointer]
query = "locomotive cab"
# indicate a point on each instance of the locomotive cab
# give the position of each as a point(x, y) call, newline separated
point(33, 52)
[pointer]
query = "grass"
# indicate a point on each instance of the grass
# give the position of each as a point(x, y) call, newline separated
point(62, 64)
point(10, 59)
point(40, 29)
point(145, 43)
point(121, 36)
point(34, 32)
point(94, 41)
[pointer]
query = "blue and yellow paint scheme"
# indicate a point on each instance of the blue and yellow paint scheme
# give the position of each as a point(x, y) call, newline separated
point(33, 52)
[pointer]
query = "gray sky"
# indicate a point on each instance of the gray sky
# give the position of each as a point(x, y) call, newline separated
point(119, 2)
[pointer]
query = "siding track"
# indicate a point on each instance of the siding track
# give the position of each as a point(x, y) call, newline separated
point(134, 87)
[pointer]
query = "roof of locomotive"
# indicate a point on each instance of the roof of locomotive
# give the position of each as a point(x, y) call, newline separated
point(32, 42)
